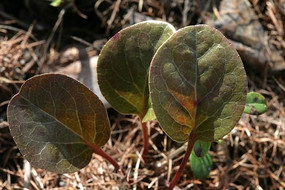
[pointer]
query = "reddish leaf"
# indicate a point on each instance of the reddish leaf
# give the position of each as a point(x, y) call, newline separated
point(54, 119)
point(197, 83)
point(123, 65)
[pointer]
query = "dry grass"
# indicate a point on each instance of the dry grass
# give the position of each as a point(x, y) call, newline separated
point(18, 55)
point(251, 157)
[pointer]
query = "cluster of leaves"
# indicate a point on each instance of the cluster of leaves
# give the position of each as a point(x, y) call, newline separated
point(192, 80)
point(200, 159)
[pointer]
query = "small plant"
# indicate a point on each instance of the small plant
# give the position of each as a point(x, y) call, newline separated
point(255, 104)
point(191, 80)
point(197, 86)
point(200, 159)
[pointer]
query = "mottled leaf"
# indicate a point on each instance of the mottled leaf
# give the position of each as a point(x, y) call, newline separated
point(124, 62)
point(54, 119)
point(197, 82)
point(255, 104)
point(201, 166)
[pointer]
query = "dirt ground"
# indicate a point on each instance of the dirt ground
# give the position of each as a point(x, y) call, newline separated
point(37, 38)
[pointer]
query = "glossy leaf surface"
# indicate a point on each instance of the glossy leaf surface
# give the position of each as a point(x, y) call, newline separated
point(201, 166)
point(255, 104)
point(53, 119)
point(124, 62)
point(197, 82)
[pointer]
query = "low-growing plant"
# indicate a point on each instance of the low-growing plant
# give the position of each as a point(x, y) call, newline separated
point(191, 80)
point(200, 159)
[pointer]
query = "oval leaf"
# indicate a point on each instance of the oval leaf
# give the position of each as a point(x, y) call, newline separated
point(197, 82)
point(53, 118)
point(123, 65)
point(255, 104)
point(201, 166)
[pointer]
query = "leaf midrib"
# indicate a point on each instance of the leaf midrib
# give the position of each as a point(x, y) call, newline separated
point(144, 93)
point(195, 82)
point(53, 117)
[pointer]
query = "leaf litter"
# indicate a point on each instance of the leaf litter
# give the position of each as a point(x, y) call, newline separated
point(252, 156)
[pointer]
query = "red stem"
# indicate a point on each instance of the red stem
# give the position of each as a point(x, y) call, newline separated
point(191, 142)
point(145, 140)
point(100, 152)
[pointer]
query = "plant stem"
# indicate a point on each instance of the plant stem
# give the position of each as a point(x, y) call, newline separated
point(145, 140)
point(100, 152)
point(191, 142)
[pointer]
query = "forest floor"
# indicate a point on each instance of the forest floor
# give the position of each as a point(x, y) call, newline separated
point(37, 38)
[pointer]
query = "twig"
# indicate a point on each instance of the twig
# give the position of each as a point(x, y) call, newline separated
point(186, 9)
point(16, 30)
point(98, 13)
point(10, 17)
point(27, 175)
point(279, 84)
point(79, 181)
point(55, 27)
point(37, 178)
point(5, 80)
point(152, 182)
point(177, 151)
point(77, 10)
point(81, 41)
point(112, 18)
point(4, 103)
point(140, 5)
point(136, 173)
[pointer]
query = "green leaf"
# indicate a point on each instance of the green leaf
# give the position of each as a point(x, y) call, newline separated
point(54, 120)
point(201, 148)
point(201, 166)
point(200, 159)
point(197, 82)
point(149, 116)
point(55, 3)
point(124, 62)
point(255, 104)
